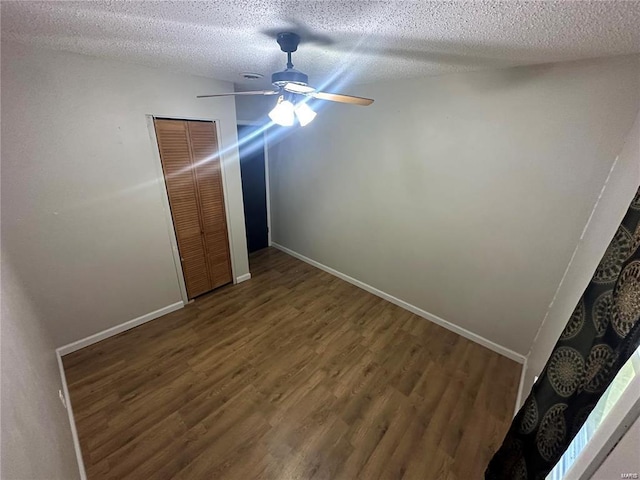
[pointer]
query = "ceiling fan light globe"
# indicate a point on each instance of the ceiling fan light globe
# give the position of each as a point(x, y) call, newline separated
point(305, 114)
point(283, 113)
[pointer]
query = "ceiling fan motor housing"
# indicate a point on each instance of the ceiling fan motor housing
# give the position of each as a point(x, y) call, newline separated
point(288, 42)
point(290, 75)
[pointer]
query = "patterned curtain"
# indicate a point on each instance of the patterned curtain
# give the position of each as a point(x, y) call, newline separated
point(602, 333)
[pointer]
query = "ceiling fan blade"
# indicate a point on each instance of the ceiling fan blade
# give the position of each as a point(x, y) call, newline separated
point(255, 92)
point(336, 97)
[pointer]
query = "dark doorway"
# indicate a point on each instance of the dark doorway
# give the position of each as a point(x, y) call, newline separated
point(254, 186)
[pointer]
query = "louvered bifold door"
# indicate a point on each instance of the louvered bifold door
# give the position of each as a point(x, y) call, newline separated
point(204, 148)
point(180, 179)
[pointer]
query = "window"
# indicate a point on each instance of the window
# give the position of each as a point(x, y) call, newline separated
point(627, 373)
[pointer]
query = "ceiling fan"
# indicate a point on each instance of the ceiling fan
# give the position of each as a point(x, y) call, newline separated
point(294, 91)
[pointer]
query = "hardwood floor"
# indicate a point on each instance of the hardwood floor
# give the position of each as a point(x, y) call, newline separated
point(294, 374)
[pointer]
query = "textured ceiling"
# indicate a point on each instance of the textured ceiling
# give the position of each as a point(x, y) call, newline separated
point(349, 41)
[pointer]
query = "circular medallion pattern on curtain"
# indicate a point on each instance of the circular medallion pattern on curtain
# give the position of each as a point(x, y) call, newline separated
point(530, 417)
point(520, 470)
point(552, 432)
point(626, 300)
point(601, 311)
point(617, 252)
point(636, 239)
point(566, 370)
point(575, 322)
point(601, 359)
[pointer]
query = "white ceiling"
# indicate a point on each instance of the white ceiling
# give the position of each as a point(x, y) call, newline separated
point(358, 41)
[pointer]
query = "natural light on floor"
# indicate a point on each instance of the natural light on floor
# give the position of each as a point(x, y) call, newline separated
point(597, 416)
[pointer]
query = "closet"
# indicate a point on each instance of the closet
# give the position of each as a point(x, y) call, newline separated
point(193, 177)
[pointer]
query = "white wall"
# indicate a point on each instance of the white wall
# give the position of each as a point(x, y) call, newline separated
point(464, 195)
point(623, 458)
point(36, 439)
point(254, 108)
point(609, 210)
point(82, 212)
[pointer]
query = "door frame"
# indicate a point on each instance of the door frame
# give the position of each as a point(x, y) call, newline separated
point(265, 146)
point(164, 196)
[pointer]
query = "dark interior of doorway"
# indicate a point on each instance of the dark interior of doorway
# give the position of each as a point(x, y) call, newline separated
point(254, 189)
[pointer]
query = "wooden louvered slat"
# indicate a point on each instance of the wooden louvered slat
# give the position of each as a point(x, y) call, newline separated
point(204, 149)
point(180, 180)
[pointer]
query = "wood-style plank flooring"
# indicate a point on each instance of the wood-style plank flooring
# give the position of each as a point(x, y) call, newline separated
point(294, 374)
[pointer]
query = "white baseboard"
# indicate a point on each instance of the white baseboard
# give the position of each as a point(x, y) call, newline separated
point(72, 421)
point(110, 332)
point(412, 308)
point(243, 278)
